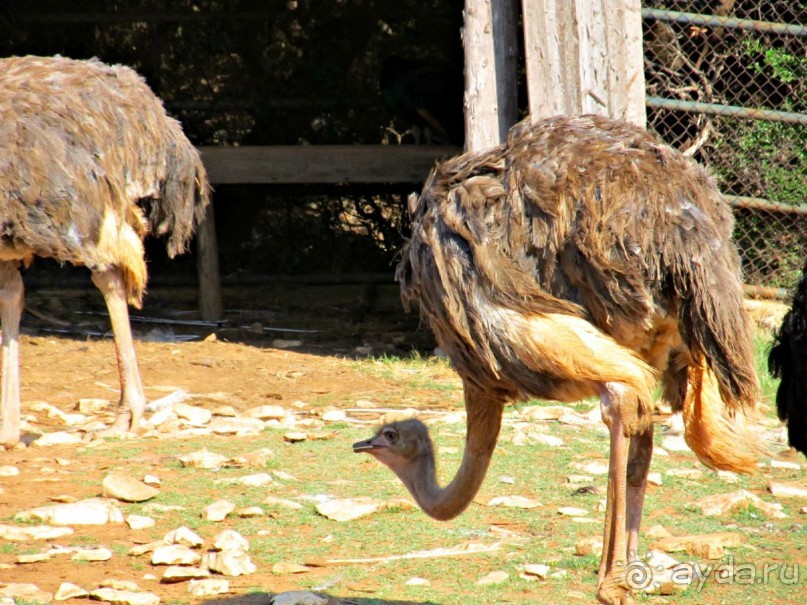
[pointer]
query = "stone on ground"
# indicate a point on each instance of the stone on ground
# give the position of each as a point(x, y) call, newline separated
point(127, 488)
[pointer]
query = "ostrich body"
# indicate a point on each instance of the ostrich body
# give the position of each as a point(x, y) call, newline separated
point(580, 258)
point(90, 165)
point(788, 361)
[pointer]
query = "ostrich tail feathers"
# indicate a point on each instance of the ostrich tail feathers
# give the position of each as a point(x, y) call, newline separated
point(720, 441)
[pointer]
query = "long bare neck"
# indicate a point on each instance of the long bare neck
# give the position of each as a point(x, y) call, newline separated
point(442, 503)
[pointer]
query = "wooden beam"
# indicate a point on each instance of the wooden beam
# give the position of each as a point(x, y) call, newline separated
point(291, 164)
point(490, 40)
point(207, 268)
point(584, 56)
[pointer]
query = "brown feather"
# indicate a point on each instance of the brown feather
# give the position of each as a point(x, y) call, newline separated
point(91, 164)
point(579, 252)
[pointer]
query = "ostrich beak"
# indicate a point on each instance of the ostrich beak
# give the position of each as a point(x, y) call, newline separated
point(367, 445)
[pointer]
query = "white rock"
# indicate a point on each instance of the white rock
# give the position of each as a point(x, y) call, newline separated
point(236, 426)
point(93, 511)
point(719, 504)
point(57, 438)
point(596, 467)
point(142, 549)
point(9, 471)
point(119, 584)
point(33, 558)
point(203, 459)
point(298, 597)
point(417, 582)
point(139, 522)
point(184, 536)
point(256, 480)
point(571, 511)
point(674, 443)
point(124, 597)
point(787, 490)
point(193, 414)
point(174, 554)
point(218, 510)
point(249, 511)
point(267, 412)
point(275, 501)
point(785, 464)
point(654, 478)
point(152, 480)
point(182, 573)
point(161, 417)
point(729, 476)
point(92, 554)
point(230, 540)
point(67, 590)
point(514, 502)
point(228, 563)
point(23, 592)
point(658, 560)
point(494, 577)
point(93, 406)
point(546, 412)
point(295, 437)
point(588, 546)
point(334, 416)
point(349, 508)
point(39, 532)
point(208, 587)
point(127, 488)
point(539, 570)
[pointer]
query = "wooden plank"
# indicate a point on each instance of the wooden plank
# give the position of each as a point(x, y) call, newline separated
point(207, 268)
point(489, 37)
point(584, 56)
point(301, 164)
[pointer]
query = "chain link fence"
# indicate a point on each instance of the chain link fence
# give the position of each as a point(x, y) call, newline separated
point(729, 88)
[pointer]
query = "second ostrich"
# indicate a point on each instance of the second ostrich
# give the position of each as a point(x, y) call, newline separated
point(788, 360)
point(580, 258)
point(90, 165)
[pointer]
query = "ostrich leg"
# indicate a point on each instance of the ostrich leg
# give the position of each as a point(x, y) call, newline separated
point(132, 397)
point(11, 297)
point(639, 454)
point(611, 588)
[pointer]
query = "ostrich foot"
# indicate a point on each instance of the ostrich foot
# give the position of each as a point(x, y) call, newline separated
point(123, 424)
point(9, 437)
point(612, 591)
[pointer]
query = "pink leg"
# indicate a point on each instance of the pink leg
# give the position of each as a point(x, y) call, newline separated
point(639, 455)
point(132, 397)
point(11, 301)
point(612, 588)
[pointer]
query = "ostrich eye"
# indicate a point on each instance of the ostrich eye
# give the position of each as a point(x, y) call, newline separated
point(391, 435)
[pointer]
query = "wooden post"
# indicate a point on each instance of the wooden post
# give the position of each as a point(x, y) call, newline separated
point(585, 56)
point(207, 267)
point(489, 37)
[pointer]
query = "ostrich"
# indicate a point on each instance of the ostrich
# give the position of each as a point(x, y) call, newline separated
point(788, 361)
point(580, 258)
point(91, 163)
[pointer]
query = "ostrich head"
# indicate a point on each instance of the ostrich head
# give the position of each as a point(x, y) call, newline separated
point(401, 446)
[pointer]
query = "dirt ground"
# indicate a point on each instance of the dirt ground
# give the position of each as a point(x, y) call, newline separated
point(246, 361)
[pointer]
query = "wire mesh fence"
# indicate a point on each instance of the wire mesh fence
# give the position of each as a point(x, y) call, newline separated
point(730, 89)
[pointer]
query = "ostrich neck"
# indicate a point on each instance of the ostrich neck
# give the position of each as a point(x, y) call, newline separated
point(442, 503)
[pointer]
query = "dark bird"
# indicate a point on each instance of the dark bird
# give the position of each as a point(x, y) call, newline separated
point(426, 96)
point(90, 165)
point(581, 258)
point(788, 361)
